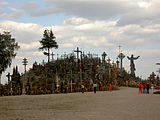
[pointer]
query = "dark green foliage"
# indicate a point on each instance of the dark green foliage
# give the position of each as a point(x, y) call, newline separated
point(7, 50)
point(48, 42)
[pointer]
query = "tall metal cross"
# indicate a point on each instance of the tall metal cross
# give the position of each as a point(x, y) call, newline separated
point(77, 51)
point(104, 56)
point(121, 56)
point(25, 62)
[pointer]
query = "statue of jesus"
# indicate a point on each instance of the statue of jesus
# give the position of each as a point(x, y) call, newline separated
point(132, 66)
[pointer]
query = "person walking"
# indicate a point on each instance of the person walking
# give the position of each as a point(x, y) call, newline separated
point(147, 86)
point(110, 87)
point(95, 87)
point(144, 87)
point(140, 88)
point(82, 87)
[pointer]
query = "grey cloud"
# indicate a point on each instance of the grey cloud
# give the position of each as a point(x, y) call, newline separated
point(34, 9)
point(4, 14)
point(30, 6)
point(90, 9)
point(128, 11)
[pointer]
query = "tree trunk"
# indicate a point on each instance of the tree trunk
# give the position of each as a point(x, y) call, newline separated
point(0, 77)
point(48, 55)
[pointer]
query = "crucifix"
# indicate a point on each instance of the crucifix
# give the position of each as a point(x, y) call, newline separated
point(132, 65)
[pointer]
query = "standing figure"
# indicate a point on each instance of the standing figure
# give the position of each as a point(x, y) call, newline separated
point(140, 88)
point(95, 87)
point(82, 87)
point(110, 87)
point(132, 66)
point(147, 86)
point(144, 87)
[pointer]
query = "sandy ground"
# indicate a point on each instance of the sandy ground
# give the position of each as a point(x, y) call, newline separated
point(125, 104)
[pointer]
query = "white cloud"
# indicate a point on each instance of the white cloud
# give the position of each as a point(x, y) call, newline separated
point(66, 45)
point(84, 32)
point(148, 53)
point(144, 4)
point(32, 45)
point(23, 32)
point(37, 53)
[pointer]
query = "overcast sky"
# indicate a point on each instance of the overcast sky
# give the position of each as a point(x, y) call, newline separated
point(92, 25)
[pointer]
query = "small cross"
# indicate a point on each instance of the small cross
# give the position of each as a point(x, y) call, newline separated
point(119, 48)
point(8, 76)
point(52, 54)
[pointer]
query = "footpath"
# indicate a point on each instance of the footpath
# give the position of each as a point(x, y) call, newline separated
point(123, 104)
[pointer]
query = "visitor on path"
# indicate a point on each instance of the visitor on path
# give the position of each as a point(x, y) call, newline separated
point(95, 87)
point(110, 87)
point(140, 88)
point(147, 86)
point(144, 87)
point(82, 88)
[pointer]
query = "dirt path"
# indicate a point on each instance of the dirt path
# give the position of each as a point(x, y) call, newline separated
point(125, 104)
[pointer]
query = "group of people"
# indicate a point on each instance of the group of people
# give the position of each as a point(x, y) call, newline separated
point(144, 87)
point(110, 87)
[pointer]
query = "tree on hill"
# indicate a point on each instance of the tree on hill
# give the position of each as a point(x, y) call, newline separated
point(48, 42)
point(8, 45)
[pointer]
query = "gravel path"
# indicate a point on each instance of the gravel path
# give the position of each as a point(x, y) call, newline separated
point(124, 104)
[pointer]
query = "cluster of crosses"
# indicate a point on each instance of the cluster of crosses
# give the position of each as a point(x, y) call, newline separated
point(68, 73)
